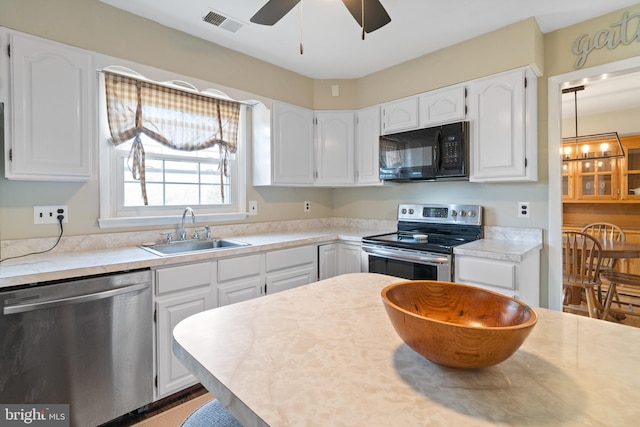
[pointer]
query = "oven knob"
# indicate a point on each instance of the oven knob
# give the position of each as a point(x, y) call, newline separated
point(472, 214)
point(454, 213)
point(404, 211)
point(411, 211)
point(463, 213)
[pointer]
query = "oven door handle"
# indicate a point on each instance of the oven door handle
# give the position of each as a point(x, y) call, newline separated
point(406, 255)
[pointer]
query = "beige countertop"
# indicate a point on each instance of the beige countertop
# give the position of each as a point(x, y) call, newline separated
point(325, 354)
point(65, 265)
point(503, 243)
point(500, 249)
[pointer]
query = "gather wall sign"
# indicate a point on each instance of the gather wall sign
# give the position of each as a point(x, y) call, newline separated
point(625, 32)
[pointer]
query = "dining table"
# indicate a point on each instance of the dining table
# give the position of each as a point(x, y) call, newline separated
point(619, 249)
point(326, 354)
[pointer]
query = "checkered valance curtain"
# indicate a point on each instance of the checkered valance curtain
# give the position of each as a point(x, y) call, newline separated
point(176, 118)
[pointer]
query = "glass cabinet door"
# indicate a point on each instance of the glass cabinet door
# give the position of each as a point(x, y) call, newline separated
point(568, 181)
point(596, 179)
point(631, 177)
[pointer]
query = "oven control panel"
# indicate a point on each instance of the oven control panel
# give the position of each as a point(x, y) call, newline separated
point(444, 214)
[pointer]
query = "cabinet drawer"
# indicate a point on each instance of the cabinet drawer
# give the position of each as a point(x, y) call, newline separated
point(489, 272)
point(183, 277)
point(286, 258)
point(235, 268)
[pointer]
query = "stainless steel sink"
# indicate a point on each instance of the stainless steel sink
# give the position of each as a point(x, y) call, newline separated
point(190, 246)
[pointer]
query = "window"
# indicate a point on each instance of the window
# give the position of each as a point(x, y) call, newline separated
point(159, 156)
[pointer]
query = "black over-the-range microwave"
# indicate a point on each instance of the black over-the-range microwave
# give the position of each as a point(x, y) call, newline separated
point(434, 153)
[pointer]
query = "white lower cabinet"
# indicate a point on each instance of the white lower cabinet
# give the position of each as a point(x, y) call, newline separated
point(250, 276)
point(290, 268)
point(184, 290)
point(338, 258)
point(516, 279)
point(181, 292)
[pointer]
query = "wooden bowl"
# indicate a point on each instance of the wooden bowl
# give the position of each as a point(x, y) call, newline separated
point(457, 325)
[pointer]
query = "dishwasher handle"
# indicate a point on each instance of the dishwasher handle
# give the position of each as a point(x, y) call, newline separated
point(23, 308)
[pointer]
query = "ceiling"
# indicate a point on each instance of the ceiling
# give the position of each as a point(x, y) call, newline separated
point(333, 48)
point(604, 93)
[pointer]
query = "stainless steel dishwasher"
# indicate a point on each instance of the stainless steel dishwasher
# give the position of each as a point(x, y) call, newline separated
point(86, 343)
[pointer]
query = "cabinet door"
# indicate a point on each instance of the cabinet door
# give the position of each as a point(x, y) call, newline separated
point(568, 181)
point(368, 146)
point(172, 375)
point(335, 147)
point(348, 258)
point(292, 144)
point(290, 278)
point(630, 175)
point(51, 111)
point(240, 290)
point(503, 139)
point(399, 115)
point(240, 278)
point(327, 260)
point(442, 106)
point(596, 179)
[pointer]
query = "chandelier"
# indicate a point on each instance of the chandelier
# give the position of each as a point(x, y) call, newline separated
point(589, 147)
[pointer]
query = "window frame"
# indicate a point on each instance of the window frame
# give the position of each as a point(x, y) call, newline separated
point(111, 216)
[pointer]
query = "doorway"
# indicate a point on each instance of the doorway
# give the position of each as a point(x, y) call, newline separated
point(555, 84)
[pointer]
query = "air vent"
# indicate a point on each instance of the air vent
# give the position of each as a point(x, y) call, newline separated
point(219, 20)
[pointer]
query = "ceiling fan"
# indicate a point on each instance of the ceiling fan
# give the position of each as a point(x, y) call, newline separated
point(370, 14)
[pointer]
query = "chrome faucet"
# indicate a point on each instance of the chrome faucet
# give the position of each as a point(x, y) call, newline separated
point(183, 233)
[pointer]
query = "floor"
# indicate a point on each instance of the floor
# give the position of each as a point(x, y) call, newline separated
point(168, 412)
point(626, 313)
point(174, 416)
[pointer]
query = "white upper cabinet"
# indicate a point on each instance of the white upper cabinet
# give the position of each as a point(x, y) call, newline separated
point(368, 146)
point(295, 146)
point(51, 111)
point(400, 115)
point(292, 139)
point(503, 115)
point(335, 136)
point(443, 106)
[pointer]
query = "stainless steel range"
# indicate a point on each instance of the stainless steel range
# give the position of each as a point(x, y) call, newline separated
point(422, 248)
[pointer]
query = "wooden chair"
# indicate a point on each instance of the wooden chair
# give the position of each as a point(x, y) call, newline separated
point(606, 231)
point(581, 263)
point(616, 278)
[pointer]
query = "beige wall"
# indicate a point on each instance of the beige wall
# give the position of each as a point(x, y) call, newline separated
point(625, 122)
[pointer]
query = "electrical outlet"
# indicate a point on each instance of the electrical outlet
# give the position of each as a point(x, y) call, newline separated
point(307, 206)
point(253, 207)
point(49, 214)
point(524, 210)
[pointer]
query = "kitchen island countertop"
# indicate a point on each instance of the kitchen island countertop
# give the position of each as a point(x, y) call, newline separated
point(326, 354)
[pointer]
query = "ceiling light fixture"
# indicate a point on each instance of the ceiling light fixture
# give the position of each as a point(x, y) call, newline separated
point(589, 147)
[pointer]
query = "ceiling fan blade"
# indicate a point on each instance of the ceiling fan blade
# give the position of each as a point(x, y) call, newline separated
point(273, 11)
point(375, 16)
